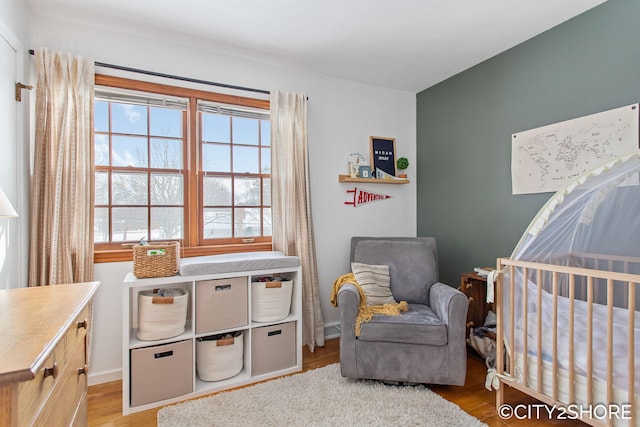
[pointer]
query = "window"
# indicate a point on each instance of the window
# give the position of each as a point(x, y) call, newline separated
point(179, 164)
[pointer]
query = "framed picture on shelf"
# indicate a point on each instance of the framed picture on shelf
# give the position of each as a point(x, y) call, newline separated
point(383, 157)
point(354, 170)
point(365, 171)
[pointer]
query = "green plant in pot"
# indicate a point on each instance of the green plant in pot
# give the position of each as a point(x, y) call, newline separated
point(402, 163)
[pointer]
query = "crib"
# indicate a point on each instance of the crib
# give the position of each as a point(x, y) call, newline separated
point(567, 337)
point(567, 300)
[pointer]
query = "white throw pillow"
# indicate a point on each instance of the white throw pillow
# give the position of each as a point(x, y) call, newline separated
point(375, 282)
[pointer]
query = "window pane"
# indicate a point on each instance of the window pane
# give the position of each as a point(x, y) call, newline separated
point(101, 152)
point(247, 191)
point(266, 192)
point(101, 225)
point(266, 222)
point(101, 116)
point(129, 224)
point(165, 122)
point(216, 128)
point(166, 154)
point(247, 222)
point(129, 151)
point(166, 189)
point(245, 159)
point(216, 158)
point(217, 223)
point(102, 188)
point(127, 118)
point(265, 132)
point(245, 131)
point(217, 191)
point(266, 161)
point(129, 188)
point(166, 223)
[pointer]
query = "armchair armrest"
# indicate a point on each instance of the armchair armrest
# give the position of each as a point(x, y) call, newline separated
point(348, 303)
point(451, 306)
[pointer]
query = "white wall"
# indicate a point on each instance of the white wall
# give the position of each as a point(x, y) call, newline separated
point(14, 146)
point(342, 116)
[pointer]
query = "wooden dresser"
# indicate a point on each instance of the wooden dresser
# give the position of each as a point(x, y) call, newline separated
point(43, 354)
point(475, 288)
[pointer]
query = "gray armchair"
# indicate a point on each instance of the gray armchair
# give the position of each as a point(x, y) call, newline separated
point(424, 345)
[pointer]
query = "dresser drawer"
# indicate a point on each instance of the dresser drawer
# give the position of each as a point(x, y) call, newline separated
point(34, 393)
point(62, 405)
point(82, 414)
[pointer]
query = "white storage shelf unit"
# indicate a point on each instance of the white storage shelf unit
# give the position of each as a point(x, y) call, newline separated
point(252, 336)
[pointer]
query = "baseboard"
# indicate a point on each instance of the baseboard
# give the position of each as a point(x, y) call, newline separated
point(332, 330)
point(104, 377)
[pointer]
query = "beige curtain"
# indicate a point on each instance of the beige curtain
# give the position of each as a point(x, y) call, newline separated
point(61, 249)
point(291, 203)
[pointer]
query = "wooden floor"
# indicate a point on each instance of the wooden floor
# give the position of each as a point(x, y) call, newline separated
point(105, 400)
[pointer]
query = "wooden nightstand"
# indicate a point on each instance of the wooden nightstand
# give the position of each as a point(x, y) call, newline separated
point(475, 288)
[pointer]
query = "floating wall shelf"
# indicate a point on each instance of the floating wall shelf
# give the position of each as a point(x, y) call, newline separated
point(347, 178)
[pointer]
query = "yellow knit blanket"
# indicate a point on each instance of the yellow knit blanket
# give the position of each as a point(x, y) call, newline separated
point(366, 312)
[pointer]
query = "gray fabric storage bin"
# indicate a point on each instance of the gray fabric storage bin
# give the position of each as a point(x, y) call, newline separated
point(221, 304)
point(273, 348)
point(161, 372)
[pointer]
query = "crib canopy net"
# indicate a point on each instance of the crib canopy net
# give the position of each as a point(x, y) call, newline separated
point(599, 213)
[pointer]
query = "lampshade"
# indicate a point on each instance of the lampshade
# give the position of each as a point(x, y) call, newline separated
point(6, 209)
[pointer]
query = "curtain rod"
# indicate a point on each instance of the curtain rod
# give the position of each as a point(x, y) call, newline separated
point(170, 76)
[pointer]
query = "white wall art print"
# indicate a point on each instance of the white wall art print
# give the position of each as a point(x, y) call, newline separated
point(547, 158)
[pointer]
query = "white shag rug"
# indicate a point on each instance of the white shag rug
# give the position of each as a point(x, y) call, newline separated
point(320, 397)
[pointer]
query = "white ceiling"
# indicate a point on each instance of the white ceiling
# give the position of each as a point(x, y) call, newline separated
point(401, 44)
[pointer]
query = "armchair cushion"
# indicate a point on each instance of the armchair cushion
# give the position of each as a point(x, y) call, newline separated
point(419, 325)
point(413, 263)
point(374, 281)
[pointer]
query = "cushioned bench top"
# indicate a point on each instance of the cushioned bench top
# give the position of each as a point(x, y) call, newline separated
point(244, 261)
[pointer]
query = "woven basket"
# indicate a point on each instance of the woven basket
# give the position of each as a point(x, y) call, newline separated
point(156, 259)
point(270, 301)
point(219, 357)
point(161, 317)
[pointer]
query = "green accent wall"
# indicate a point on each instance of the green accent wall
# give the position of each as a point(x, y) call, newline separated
point(464, 126)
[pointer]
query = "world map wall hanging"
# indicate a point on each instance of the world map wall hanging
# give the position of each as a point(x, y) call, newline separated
point(547, 158)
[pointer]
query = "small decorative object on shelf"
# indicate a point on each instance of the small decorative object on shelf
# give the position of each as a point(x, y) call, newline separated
point(365, 171)
point(356, 161)
point(354, 170)
point(402, 163)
